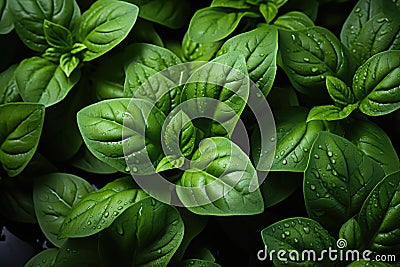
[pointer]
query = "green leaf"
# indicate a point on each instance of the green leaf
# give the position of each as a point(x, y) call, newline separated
point(339, 91)
point(213, 24)
point(221, 181)
point(237, 4)
point(87, 162)
point(68, 63)
point(104, 25)
point(19, 134)
point(299, 235)
point(8, 87)
point(41, 81)
point(54, 195)
point(169, 163)
point(107, 135)
point(294, 138)
point(378, 217)
point(293, 21)
point(57, 35)
point(147, 60)
point(29, 19)
point(171, 13)
point(260, 48)
point(337, 180)
point(99, 209)
point(43, 259)
point(179, 135)
point(373, 142)
point(377, 84)
point(78, 252)
point(269, 11)
point(146, 234)
point(6, 20)
point(194, 51)
point(225, 80)
point(309, 55)
point(371, 27)
point(330, 112)
point(351, 232)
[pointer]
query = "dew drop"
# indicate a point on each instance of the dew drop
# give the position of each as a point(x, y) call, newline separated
point(134, 169)
point(115, 213)
point(120, 208)
point(316, 156)
point(127, 169)
point(314, 69)
point(262, 55)
point(283, 236)
point(306, 229)
point(330, 154)
point(357, 10)
point(333, 161)
point(306, 59)
point(305, 149)
point(159, 251)
point(89, 223)
point(312, 187)
point(272, 139)
point(296, 240)
point(320, 146)
point(287, 233)
point(284, 162)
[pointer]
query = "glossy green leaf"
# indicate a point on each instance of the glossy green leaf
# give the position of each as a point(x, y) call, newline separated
point(330, 112)
point(68, 63)
point(293, 21)
point(6, 20)
point(378, 217)
point(169, 163)
point(146, 234)
point(99, 209)
point(104, 25)
point(298, 234)
point(19, 134)
point(180, 135)
point(102, 127)
point(371, 27)
point(309, 55)
point(294, 138)
point(237, 4)
point(148, 60)
point(374, 142)
point(170, 13)
point(224, 80)
point(213, 24)
point(78, 252)
point(340, 93)
point(337, 180)
point(41, 81)
point(29, 17)
point(43, 259)
point(8, 87)
point(269, 11)
point(221, 181)
point(57, 35)
point(351, 232)
point(194, 51)
point(259, 47)
point(86, 161)
point(377, 84)
point(54, 195)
